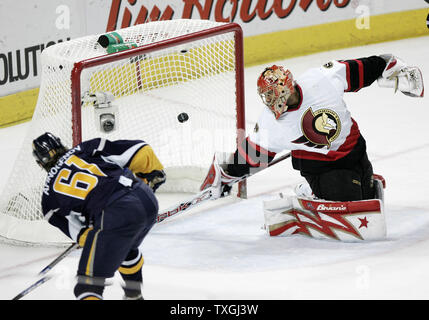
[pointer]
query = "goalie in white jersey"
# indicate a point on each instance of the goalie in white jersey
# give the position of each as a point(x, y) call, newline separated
point(308, 116)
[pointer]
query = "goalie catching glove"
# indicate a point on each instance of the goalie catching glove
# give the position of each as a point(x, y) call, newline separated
point(397, 75)
point(217, 179)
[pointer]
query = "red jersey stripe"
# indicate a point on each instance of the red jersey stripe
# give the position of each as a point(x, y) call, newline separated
point(347, 75)
point(246, 157)
point(360, 64)
point(260, 149)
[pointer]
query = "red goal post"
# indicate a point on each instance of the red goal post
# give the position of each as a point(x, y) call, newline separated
point(180, 40)
point(239, 62)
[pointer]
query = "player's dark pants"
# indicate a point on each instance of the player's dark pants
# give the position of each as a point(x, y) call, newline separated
point(344, 184)
point(119, 229)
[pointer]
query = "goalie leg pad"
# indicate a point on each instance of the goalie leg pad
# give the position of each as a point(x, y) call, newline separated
point(320, 219)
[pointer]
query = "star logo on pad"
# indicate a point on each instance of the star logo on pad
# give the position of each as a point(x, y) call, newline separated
point(363, 223)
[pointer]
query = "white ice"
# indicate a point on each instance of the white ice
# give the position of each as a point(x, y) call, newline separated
point(220, 251)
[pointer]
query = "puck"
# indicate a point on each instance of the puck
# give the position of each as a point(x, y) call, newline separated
point(183, 117)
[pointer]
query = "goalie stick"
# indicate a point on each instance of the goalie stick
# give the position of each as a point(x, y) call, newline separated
point(205, 195)
point(44, 272)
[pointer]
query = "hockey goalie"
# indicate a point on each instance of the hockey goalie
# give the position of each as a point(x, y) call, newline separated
point(341, 197)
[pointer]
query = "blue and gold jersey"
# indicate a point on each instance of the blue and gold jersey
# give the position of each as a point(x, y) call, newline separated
point(86, 176)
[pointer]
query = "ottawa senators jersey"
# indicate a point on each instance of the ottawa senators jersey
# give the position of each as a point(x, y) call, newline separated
point(320, 128)
point(320, 124)
point(84, 178)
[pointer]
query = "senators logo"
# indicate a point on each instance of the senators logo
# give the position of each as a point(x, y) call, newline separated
point(320, 128)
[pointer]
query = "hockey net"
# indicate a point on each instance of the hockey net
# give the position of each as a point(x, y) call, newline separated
point(179, 66)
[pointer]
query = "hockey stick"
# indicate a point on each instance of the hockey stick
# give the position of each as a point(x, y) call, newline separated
point(204, 195)
point(45, 270)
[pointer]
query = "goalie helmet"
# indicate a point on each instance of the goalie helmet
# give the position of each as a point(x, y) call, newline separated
point(47, 149)
point(275, 86)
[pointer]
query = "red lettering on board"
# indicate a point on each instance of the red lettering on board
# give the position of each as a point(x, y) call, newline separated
point(218, 10)
point(203, 11)
point(142, 17)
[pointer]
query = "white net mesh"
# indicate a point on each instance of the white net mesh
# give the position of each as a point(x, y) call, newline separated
point(197, 78)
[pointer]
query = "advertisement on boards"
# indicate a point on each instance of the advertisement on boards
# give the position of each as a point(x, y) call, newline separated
point(31, 26)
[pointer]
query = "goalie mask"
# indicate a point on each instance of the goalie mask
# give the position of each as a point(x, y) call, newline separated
point(275, 86)
point(47, 149)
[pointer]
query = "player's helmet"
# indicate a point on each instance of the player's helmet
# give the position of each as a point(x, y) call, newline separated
point(47, 149)
point(275, 86)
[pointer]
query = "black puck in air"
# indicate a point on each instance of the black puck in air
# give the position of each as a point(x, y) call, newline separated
point(183, 117)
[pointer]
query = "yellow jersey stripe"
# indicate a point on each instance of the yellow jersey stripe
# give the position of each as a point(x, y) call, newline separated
point(133, 269)
point(91, 298)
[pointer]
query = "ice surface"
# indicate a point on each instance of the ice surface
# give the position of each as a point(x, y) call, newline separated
point(220, 251)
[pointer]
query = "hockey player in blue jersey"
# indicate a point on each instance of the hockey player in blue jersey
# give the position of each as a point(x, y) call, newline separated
point(93, 195)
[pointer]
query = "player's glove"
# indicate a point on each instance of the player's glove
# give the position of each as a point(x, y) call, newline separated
point(153, 179)
point(398, 75)
point(81, 237)
point(218, 180)
point(78, 228)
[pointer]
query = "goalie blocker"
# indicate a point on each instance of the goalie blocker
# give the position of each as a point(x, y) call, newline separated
point(344, 221)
